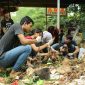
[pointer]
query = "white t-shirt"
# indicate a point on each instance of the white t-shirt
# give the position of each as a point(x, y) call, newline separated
point(46, 36)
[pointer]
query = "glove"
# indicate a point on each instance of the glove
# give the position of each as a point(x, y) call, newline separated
point(39, 39)
point(70, 54)
point(50, 41)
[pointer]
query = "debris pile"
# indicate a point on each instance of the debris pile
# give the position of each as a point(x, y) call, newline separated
point(66, 72)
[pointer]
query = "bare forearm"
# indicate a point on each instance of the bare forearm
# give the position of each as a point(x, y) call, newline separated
point(42, 47)
point(76, 51)
point(29, 41)
point(35, 48)
point(43, 54)
point(25, 41)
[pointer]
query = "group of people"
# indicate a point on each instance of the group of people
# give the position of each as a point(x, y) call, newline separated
point(15, 47)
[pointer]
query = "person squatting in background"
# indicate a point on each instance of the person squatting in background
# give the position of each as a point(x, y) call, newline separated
point(68, 48)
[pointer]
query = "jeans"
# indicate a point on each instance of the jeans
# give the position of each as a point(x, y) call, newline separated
point(56, 46)
point(15, 57)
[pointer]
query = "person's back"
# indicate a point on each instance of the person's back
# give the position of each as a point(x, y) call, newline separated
point(46, 36)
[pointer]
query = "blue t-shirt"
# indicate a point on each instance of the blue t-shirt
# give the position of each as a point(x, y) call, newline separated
point(71, 46)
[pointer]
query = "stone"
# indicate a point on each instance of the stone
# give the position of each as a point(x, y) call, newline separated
point(43, 73)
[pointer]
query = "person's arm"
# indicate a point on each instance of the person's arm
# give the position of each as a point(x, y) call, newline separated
point(3, 26)
point(62, 49)
point(43, 46)
point(4, 30)
point(35, 48)
point(25, 41)
point(76, 50)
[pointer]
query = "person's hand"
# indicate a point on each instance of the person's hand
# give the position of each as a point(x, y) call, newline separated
point(70, 54)
point(39, 39)
point(62, 49)
point(50, 41)
point(54, 51)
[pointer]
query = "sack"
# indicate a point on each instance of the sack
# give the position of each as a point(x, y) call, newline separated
point(81, 53)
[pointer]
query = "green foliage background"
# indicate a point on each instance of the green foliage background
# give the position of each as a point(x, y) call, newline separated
point(37, 14)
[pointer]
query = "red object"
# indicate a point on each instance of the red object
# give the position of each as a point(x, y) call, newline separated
point(15, 83)
point(28, 37)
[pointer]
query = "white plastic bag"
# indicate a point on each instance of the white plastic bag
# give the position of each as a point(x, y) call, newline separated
point(81, 53)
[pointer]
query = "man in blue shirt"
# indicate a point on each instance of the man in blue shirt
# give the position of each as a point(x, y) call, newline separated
point(69, 47)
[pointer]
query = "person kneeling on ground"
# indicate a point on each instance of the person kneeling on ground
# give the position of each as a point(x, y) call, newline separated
point(69, 47)
point(35, 49)
point(16, 55)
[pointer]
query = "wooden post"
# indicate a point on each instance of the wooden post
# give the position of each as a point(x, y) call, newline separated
point(58, 14)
